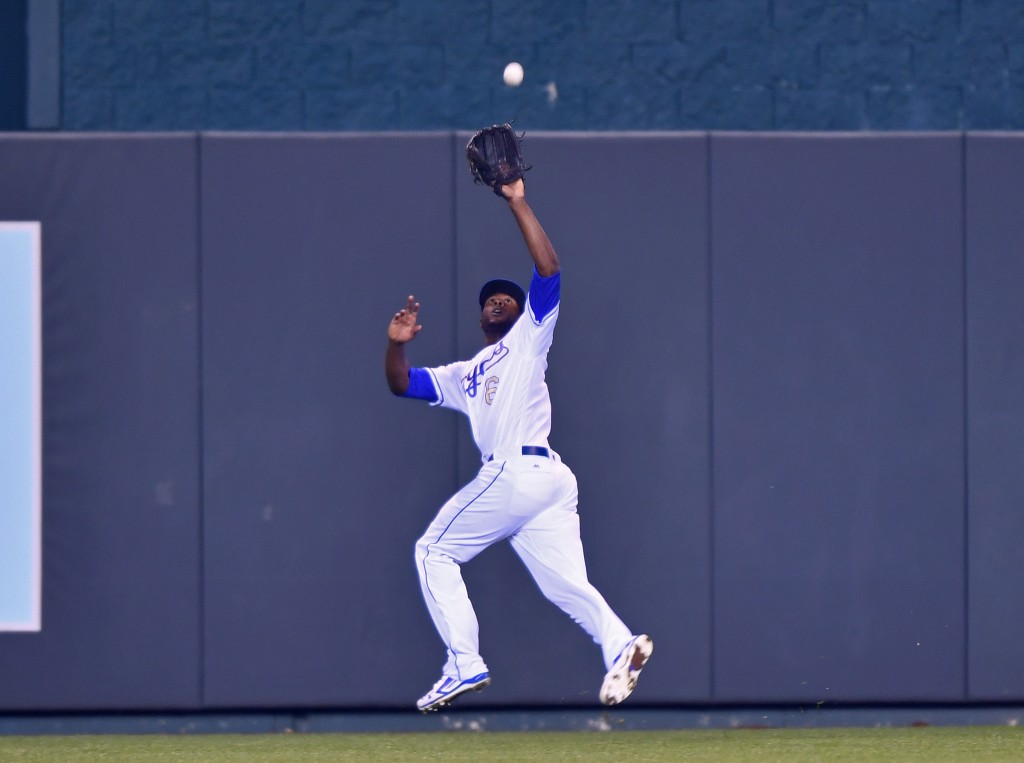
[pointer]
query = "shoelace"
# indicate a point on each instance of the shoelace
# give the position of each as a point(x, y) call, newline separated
point(441, 682)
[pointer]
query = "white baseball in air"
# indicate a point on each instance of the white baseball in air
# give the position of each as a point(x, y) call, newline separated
point(514, 74)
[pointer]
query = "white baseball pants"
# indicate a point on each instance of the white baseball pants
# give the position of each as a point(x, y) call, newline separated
point(531, 500)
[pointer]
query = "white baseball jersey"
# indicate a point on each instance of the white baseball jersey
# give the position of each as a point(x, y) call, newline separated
point(502, 388)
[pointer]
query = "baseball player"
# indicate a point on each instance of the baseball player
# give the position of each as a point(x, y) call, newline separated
point(523, 491)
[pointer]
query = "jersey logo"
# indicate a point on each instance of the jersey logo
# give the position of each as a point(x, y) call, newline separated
point(471, 381)
point(491, 387)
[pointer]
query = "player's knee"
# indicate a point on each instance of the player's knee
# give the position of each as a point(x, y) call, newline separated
point(429, 553)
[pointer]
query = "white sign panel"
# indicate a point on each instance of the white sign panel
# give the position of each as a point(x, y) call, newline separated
point(20, 427)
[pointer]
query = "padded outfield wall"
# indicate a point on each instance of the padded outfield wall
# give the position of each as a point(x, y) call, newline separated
point(788, 374)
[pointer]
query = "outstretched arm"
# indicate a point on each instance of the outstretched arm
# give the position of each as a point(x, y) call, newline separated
point(402, 329)
point(541, 250)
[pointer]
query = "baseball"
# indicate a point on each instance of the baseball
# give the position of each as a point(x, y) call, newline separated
point(514, 74)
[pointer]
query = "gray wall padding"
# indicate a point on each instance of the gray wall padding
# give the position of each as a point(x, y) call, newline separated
point(786, 373)
point(839, 425)
point(995, 406)
point(121, 430)
point(317, 482)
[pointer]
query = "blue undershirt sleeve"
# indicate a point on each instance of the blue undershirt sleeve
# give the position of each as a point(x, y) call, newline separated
point(421, 387)
point(544, 294)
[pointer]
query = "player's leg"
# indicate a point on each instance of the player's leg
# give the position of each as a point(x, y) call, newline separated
point(552, 551)
point(551, 548)
point(471, 520)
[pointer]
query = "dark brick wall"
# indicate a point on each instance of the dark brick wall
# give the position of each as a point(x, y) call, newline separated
point(12, 64)
point(628, 64)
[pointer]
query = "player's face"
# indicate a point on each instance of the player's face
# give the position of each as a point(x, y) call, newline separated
point(500, 312)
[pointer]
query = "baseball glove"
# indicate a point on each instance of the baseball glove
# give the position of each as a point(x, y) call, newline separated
point(495, 156)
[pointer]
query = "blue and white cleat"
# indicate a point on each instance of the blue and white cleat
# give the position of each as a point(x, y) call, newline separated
point(449, 688)
point(620, 681)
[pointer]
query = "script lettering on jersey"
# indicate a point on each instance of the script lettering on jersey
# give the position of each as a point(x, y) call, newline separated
point(471, 381)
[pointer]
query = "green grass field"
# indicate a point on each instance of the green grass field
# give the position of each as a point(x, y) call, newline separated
point(980, 743)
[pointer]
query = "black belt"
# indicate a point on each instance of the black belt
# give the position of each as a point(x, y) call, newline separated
point(530, 450)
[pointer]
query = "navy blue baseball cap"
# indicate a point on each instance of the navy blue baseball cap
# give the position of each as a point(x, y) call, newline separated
point(502, 286)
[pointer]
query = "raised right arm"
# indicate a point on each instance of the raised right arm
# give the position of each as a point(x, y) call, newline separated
point(537, 242)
